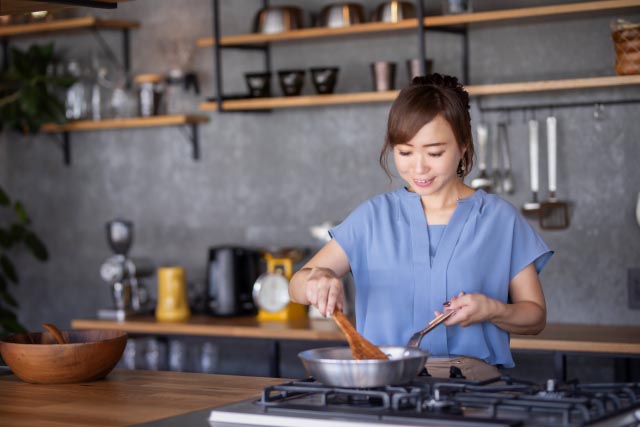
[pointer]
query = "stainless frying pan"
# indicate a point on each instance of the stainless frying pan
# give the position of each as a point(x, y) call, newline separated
point(335, 366)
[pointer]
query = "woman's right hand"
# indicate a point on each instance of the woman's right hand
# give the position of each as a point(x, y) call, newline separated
point(324, 290)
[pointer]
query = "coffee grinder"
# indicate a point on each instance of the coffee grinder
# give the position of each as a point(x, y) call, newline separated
point(123, 274)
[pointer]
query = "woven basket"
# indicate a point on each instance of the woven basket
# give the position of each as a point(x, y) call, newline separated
point(626, 40)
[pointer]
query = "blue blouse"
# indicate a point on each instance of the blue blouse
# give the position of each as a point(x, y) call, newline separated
point(399, 285)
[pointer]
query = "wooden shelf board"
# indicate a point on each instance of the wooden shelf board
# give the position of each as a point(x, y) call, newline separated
point(429, 22)
point(552, 85)
point(65, 25)
point(389, 96)
point(302, 101)
point(556, 337)
point(134, 122)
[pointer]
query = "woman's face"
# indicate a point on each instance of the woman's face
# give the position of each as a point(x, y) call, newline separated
point(429, 161)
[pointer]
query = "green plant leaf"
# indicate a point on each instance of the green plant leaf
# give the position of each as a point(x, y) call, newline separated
point(9, 299)
point(22, 214)
point(35, 245)
point(4, 198)
point(6, 240)
point(18, 232)
point(8, 268)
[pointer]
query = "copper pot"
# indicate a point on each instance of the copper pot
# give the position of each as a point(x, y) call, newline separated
point(277, 19)
point(339, 15)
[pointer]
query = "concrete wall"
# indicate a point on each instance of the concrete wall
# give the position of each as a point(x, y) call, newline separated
point(264, 178)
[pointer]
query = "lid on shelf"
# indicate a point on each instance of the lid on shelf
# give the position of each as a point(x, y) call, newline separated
point(148, 78)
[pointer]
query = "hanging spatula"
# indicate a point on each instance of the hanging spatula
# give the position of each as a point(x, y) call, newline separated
point(554, 214)
point(361, 348)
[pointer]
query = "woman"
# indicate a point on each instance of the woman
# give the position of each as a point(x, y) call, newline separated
point(434, 241)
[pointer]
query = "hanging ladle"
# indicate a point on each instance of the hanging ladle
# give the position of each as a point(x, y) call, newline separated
point(482, 181)
point(533, 207)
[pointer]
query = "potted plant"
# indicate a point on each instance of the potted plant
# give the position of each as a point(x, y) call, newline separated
point(28, 90)
point(15, 232)
point(28, 99)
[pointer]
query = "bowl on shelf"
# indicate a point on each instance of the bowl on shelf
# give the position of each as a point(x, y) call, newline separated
point(259, 84)
point(324, 79)
point(277, 19)
point(291, 81)
point(340, 15)
point(394, 11)
point(86, 355)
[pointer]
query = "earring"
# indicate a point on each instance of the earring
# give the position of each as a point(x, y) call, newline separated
point(460, 170)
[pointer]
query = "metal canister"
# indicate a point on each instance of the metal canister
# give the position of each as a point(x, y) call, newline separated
point(150, 94)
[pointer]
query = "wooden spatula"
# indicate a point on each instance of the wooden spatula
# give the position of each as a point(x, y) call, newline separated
point(360, 346)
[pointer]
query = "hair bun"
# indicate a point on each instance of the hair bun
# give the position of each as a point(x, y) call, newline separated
point(436, 79)
point(443, 82)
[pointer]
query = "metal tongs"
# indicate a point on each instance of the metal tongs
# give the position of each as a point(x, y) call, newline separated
point(416, 338)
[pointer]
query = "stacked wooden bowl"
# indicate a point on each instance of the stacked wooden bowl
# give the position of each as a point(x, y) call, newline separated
point(85, 356)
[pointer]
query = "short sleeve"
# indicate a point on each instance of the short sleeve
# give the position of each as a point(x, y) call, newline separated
point(350, 232)
point(527, 247)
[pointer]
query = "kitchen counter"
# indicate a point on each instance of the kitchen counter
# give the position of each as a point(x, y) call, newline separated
point(560, 339)
point(123, 398)
point(563, 337)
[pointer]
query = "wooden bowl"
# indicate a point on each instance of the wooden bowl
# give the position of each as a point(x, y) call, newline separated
point(87, 355)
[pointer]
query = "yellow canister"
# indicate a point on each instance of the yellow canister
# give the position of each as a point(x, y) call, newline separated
point(172, 295)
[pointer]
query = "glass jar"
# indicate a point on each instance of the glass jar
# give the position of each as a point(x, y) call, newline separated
point(150, 91)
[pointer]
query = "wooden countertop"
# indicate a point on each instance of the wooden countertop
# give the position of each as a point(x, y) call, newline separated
point(123, 398)
point(562, 337)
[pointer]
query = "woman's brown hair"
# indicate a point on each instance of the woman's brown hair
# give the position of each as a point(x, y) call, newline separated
point(421, 101)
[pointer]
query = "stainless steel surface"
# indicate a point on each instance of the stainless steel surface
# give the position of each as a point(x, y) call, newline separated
point(508, 184)
point(496, 173)
point(341, 15)
point(335, 366)
point(394, 11)
point(416, 338)
point(482, 181)
point(534, 205)
point(277, 19)
point(413, 68)
point(384, 75)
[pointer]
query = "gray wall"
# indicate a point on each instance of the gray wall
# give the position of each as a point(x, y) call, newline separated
point(264, 178)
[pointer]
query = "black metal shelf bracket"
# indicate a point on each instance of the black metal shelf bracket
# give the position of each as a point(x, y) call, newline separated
point(190, 132)
point(217, 55)
point(64, 141)
point(125, 64)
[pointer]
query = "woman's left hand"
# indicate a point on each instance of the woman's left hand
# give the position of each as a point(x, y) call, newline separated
point(470, 309)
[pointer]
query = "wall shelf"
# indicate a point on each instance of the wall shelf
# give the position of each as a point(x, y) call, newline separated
point(189, 120)
point(15, 7)
point(73, 24)
point(389, 96)
point(65, 25)
point(429, 22)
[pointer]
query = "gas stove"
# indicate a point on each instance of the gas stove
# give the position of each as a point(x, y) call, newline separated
point(428, 401)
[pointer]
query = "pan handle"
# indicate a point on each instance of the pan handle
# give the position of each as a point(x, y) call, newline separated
point(416, 338)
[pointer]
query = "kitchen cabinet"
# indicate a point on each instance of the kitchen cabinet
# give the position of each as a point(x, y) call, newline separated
point(456, 23)
point(560, 339)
